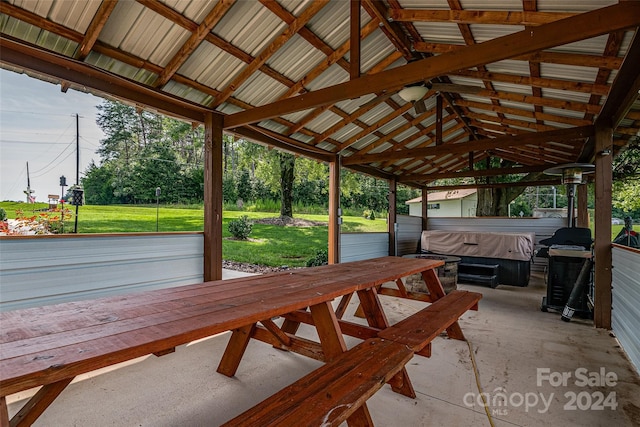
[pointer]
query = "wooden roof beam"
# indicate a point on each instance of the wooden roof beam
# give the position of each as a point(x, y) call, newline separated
point(492, 17)
point(539, 82)
point(95, 27)
point(474, 173)
point(480, 145)
point(624, 92)
point(574, 59)
point(266, 137)
point(536, 183)
point(291, 30)
point(586, 25)
point(523, 113)
point(21, 55)
point(194, 40)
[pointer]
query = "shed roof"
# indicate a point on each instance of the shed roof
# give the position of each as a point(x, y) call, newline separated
point(437, 196)
point(523, 81)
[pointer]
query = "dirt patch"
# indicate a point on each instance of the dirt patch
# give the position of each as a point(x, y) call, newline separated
point(254, 268)
point(287, 221)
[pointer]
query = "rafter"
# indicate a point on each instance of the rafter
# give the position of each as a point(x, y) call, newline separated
point(481, 145)
point(21, 55)
point(194, 40)
point(586, 25)
point(564, 58)
point(523, 113)
point(493, 17)
point(539, 82)
point(516, 170)
point(95, 27)
point(528, 183)
point(291, 30)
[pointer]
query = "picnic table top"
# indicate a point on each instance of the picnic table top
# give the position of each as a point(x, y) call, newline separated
point(47, 344)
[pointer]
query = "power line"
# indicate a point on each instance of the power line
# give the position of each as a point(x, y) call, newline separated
point(37, 173)
point(14, 141)
point(40, 113)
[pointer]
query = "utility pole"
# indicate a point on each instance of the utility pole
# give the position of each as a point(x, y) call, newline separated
point(75, 228)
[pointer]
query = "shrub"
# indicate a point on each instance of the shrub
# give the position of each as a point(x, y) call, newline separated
point(3, 214)
point(321, 258)
point(240, 228)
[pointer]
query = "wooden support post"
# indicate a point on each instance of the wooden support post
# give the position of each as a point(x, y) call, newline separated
point(602, 248)
point(583, 212)
point(334, 207)
point(439, 119)
point(392, 216)
point(213, 196)
point(425, 207)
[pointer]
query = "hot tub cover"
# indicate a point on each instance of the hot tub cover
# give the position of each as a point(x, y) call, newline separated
point(514, 246)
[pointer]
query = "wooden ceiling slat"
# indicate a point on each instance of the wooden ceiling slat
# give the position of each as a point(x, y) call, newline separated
point(467, 35)
point(539, 82)
point(492, 17)
point(564, 58)
point(526, 183)
point(511, 122)
point(474, 173)
point(538, 100)
point(590, 24)
point(523, 113)
point(480, 145)
point(612, 48)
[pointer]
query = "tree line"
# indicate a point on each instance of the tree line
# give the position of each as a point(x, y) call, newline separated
point(142, 151)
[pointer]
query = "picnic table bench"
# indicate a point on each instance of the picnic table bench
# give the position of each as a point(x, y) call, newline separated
point(49, 346)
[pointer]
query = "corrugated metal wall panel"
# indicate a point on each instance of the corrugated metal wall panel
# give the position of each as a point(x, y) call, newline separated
point(36, 272)
point(625, 316)
point(408, 234)
point(357, 246)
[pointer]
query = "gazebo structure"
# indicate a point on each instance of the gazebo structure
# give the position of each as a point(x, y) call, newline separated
point(407, 91)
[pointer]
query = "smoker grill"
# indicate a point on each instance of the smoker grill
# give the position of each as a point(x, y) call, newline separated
point(567, 250)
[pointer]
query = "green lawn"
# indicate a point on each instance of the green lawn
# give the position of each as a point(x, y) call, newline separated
point(269, 245)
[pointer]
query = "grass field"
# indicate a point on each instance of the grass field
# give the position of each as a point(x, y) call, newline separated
point(270, 245)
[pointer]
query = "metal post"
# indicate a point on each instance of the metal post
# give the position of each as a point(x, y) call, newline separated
point(157, 206)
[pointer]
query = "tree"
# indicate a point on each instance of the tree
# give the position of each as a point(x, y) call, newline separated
point(495, 201)
point(287, 167)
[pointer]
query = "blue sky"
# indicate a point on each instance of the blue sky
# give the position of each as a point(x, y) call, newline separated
point(38, 125)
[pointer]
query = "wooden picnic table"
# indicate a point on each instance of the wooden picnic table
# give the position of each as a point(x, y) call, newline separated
point(49, 346)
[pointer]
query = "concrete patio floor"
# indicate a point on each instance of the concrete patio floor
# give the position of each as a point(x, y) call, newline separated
point(520, 354)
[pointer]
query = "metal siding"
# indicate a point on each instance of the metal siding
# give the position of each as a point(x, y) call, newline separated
point(36, 272)
point(296, 58)
point(483, 33)
point(211, 66)
point(260, 89)
point(249, 26)
point(625, 315)
point(357, 246)
point(408, 234)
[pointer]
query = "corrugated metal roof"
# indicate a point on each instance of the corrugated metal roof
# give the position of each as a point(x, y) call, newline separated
point(139, 40)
